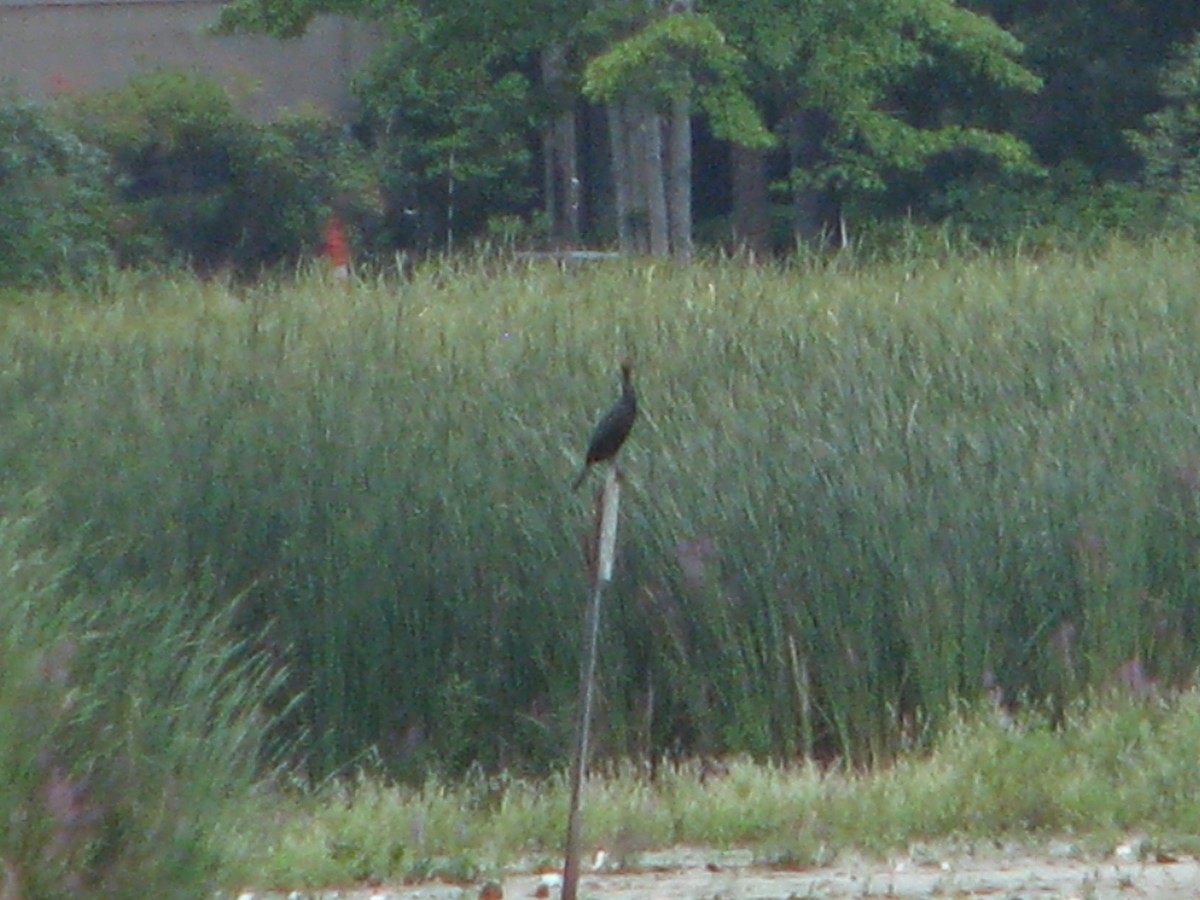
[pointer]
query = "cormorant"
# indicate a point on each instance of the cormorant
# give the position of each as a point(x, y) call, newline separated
point(610, 434)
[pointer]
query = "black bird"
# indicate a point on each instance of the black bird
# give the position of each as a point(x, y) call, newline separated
point(610, 434)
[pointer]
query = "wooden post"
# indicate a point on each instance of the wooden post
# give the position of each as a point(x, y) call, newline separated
point(606, 552)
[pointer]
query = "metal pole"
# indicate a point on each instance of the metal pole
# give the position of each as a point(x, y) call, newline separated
point(587, 686)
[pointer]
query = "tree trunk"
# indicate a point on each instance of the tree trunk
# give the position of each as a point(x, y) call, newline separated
point(805, 131)
point(652, 182)
point(619, 134)
point(568, 145)
point(751, 200)
point(679, 179)
point(679, 163)
point(560, 158)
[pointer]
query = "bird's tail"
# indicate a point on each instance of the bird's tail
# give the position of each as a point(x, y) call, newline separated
point(579, 480)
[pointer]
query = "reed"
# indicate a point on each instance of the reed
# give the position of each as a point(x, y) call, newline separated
point(857, 494)
point(128, 721)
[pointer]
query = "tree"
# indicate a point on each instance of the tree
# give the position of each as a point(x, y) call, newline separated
point(1100, 61)
point(828, 75)
point(831, 78)
point(450, 101)
point(449, 121)
point(562, 194)
point(1169, 145)
point(651, 80)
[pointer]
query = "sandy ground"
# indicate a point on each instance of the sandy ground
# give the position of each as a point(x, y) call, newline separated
point(688, 874)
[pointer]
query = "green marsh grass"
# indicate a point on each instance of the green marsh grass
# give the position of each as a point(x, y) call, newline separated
point(128, 721)
point(1115, 769)
point(858, 494)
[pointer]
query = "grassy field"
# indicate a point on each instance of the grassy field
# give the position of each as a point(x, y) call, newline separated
point(859, 495)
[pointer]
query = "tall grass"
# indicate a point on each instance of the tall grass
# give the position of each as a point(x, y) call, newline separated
point(858, 493)
point(127, 722)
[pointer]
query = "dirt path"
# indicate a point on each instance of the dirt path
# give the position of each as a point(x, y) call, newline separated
point(686, 874)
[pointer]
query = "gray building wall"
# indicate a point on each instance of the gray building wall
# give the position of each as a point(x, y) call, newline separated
point(50, 48)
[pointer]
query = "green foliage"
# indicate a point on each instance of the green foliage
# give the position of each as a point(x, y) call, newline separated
point(127, 719)
point(682, 55)
point(174, 136)
point(56, 199)
point(1064, 207)
point(1114, 765)
point(454, 110)
point(850, 65)
point(1101, 62)
point(451, 128)
point(281, 19)
point(450, 109)
point(972, 41)
point(877, 146)
point(1169, 145)
point(206, 186)
point(304, 168)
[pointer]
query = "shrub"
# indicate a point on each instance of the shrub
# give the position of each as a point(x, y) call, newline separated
point(1061, 208)
point(55, 198)
point(207, 186)
point(304, 168)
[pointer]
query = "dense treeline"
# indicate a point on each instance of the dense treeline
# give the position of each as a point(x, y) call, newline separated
point(745, 124)
point(814, 120)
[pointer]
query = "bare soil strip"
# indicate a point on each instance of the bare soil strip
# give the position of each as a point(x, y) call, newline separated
point(688, 874)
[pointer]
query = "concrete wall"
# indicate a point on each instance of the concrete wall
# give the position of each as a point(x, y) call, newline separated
point(49, 48)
